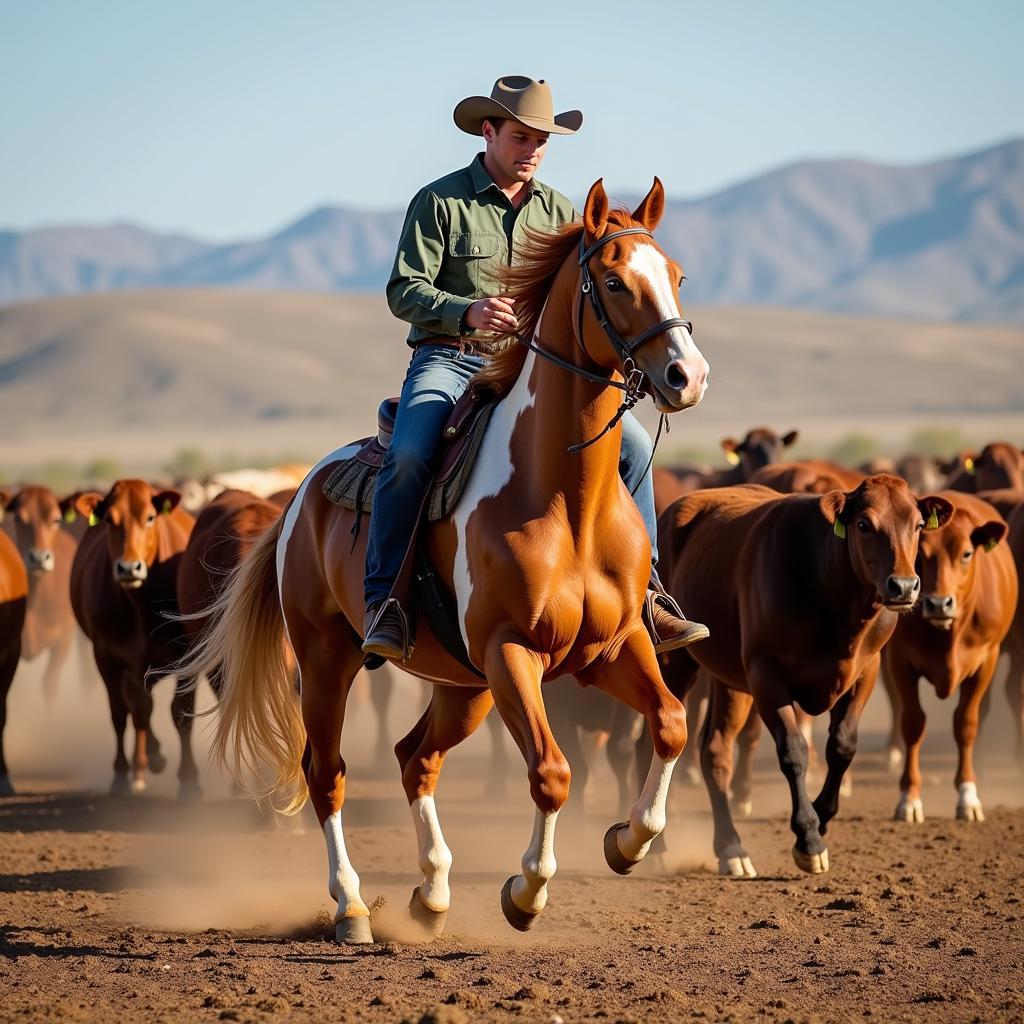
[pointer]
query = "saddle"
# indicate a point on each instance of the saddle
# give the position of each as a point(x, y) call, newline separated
point(352, 483)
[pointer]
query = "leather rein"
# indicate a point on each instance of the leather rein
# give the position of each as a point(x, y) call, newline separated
point(633, 376)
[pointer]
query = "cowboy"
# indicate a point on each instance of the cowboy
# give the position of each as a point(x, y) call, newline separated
point(458, 231)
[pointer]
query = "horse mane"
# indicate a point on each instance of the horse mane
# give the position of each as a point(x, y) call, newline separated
point(528, 280)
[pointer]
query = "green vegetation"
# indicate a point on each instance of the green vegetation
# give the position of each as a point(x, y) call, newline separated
point(853, 449)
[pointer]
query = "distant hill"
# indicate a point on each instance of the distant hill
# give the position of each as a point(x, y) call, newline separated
point(139, 375)
point(938, 241)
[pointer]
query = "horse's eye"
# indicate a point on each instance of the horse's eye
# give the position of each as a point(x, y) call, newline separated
point(613, 284)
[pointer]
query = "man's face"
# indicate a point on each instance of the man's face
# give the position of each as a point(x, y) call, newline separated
point(515, 150)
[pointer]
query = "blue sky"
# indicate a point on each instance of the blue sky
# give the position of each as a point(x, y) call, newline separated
point(228, 119)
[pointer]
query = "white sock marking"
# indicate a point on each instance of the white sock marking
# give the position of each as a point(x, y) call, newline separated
point(647, 816)
point(342, 880)
point(530, 889)
point(435, 857)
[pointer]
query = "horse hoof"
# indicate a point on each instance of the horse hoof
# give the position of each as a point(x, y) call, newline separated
point(120, 786)
point(736, 867)
point(6, 789)
point(432, 921)
point(353, 931)
point(617, 861)
point(743, 808)
point(910, 810)
point(812, 863)
point(188, 789)
point(519, 919)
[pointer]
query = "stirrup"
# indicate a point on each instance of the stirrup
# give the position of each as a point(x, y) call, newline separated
point(392, 639)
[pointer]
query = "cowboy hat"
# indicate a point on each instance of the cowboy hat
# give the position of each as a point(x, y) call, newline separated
point(521, 99)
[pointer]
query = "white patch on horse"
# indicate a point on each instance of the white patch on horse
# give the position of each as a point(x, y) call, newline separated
point(342, 880)
point(646, 262)
point(292, 515)
point(530, 889)
point(647, 816)
point(491, 471)
point(435, 857)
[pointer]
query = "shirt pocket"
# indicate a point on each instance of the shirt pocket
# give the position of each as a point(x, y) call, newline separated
point(474, 257)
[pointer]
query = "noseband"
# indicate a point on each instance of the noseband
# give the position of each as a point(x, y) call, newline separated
point(633, 376)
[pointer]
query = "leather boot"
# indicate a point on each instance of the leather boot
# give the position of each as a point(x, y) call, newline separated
point(669, 627)
point(387, 630)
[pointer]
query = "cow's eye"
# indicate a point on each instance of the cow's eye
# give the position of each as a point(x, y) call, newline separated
point(966, 557)
point(151, 519)
point(863, 525)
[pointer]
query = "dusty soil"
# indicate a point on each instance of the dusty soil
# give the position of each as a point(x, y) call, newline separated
point(151, 910)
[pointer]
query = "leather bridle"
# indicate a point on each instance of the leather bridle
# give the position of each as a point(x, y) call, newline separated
point(633, 375)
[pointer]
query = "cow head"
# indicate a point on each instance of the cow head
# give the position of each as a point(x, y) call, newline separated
point(761, 447)
point(881, 522)
point(36, 516)
point(1000, 465)
point(949, 556)
point(129, 514)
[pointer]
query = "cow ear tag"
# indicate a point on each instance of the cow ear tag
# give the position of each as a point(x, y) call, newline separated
point(933, 521)
point(839, 529)
point(969, 465)
point(167, 506)
point(732, 458)
point(70, 516)
point(990, 544)
point(93, 521)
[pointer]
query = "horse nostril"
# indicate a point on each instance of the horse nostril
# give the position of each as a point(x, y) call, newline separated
point(675, 376)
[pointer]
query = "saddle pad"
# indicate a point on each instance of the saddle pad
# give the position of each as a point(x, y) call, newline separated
point(351, 483)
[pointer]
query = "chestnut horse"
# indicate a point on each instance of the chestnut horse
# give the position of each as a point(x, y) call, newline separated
point(13, 598)
point(545, 554)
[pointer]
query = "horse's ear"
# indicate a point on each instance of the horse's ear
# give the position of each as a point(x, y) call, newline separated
point(649, 212)
point(595, 210)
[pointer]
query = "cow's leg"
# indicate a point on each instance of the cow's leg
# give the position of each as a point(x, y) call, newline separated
point(496, 787)
point(56, 657)
point(146, 750)
point(912, 724)
point(183, 706)
point(514, 673)
point(382, 688)
point(567, 735)
point(965, 729)
point(1015, 694)
point(634, 677)
point(842, 744)
point(627, 726)
point(8, 667)
point(328, 658)
point(111, 671)
point(453, 714)
point(743, 777)
point(728, 711)
point(774, 702)
point(894, 753)
point(697, 704)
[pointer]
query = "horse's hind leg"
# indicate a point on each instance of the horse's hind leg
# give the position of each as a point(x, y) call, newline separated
point(635, 678)
point(728, 713)
point(514, 674)
point(328, 659)
point(452, 715)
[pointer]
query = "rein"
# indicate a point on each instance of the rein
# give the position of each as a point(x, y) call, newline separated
point(632, 385)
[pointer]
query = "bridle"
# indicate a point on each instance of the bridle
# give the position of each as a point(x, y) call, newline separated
point(633, 376)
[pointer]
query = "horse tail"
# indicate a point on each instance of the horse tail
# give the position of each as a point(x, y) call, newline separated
point(260, 723)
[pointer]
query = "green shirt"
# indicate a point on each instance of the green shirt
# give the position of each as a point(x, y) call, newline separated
point(458, 231)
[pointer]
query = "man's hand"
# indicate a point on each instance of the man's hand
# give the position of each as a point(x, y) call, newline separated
point(493, 315)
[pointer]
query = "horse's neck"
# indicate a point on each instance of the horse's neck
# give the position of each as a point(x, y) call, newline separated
point(565, 410)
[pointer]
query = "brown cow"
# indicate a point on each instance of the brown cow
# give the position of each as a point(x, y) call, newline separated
point(1015, 638)
point(13, 601)
point(969, 594)
point(34, 519)
point(800, 594)
point(123, 587)
point(810, 476)
point(1000, 465)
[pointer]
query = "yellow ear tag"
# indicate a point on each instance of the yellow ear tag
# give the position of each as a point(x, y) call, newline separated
point(839, 529)
point(969, 466)
point(933, 521)
point(990, 544)
point(167, 506)
point(93, 521)
point(732, 458)
point(70, 516)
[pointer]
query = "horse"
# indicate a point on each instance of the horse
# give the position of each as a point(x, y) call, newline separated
point(13, 602)
point(545, 555)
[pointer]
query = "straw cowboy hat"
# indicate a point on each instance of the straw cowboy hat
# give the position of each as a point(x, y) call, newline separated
point(521, 99)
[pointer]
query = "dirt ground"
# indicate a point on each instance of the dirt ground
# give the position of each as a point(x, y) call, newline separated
point(146, 909)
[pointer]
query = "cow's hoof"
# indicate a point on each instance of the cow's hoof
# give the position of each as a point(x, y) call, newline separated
point(432, 921)
point(743, 808)
point(353, 931)
point(812, 863)
point(156, 762)
point(138, 785)
point(739, 866)
point(909, 809)
point(188, 790)
point(6, 789)
point(617, 860)
point(846, 787)
point(894, 759)
point(519, 919)
point(120, 787)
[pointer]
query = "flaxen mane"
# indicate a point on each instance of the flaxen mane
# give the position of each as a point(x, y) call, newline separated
point(528, 281)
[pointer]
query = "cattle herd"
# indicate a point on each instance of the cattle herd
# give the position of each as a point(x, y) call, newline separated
point(815, 579)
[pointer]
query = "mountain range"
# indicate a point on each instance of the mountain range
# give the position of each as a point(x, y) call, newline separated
point(936, 241)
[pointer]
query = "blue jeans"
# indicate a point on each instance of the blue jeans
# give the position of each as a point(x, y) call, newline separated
point(436, 377)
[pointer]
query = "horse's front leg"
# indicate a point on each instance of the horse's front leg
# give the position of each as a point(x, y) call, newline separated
point(775, 703)
point(634, 677)
point(514, 674)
